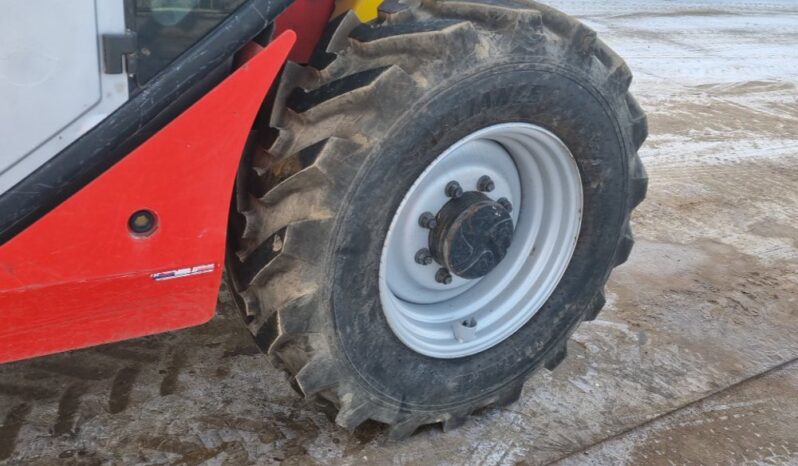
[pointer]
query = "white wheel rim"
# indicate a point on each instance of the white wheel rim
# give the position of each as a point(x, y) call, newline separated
point(536, 172)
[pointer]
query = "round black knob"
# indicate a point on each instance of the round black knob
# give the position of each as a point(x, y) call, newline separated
point(142, 222)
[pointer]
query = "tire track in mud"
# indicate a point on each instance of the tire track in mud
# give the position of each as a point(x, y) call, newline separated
point(68, 407)
point(18, 412)
point(171, 373)
point(61, 384)
point(9, 431)
point(54, 398)
point(121, 388)
point(26, 392)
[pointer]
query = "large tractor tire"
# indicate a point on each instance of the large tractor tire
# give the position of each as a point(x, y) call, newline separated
point(435, 205)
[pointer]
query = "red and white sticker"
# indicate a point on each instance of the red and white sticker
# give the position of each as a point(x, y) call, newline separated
point(184, 272)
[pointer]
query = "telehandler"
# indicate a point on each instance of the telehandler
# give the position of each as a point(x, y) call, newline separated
point(415, 203)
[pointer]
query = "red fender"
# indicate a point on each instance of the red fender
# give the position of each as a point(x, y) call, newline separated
point(78, 276)
point(308, 18)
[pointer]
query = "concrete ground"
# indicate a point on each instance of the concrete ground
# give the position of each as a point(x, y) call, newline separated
point(693, 362)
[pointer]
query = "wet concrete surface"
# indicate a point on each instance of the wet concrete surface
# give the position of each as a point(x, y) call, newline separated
point(693, 361)
point(750, 423)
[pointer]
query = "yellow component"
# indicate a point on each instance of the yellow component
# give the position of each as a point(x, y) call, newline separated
point(366, 10)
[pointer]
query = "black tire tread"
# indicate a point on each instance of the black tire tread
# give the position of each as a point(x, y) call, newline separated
point(318, 115)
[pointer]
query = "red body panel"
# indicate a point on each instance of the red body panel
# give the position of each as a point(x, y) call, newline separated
point(78, 277)
point(308, 18)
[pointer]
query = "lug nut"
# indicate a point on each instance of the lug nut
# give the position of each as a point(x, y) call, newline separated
point(427, 220)
point(423, 257)
point(485, 184)
point(508, 206)
point(454, 190)
point(443, 277)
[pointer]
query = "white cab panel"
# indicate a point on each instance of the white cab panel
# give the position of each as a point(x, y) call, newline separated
point(52, 86)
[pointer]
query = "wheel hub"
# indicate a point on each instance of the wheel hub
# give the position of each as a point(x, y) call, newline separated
point(480, 240)
point(472, 235)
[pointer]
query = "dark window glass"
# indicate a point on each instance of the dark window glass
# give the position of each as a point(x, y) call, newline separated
point(166, 28)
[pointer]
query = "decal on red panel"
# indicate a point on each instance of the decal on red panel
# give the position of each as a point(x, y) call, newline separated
point(185, 272)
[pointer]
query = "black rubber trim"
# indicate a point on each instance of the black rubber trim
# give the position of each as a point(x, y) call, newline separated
point(189, 77)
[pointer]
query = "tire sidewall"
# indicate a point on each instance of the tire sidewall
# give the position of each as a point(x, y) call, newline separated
point(556, 99)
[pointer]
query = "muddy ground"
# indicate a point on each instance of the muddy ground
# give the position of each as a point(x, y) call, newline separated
point(694, 360)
